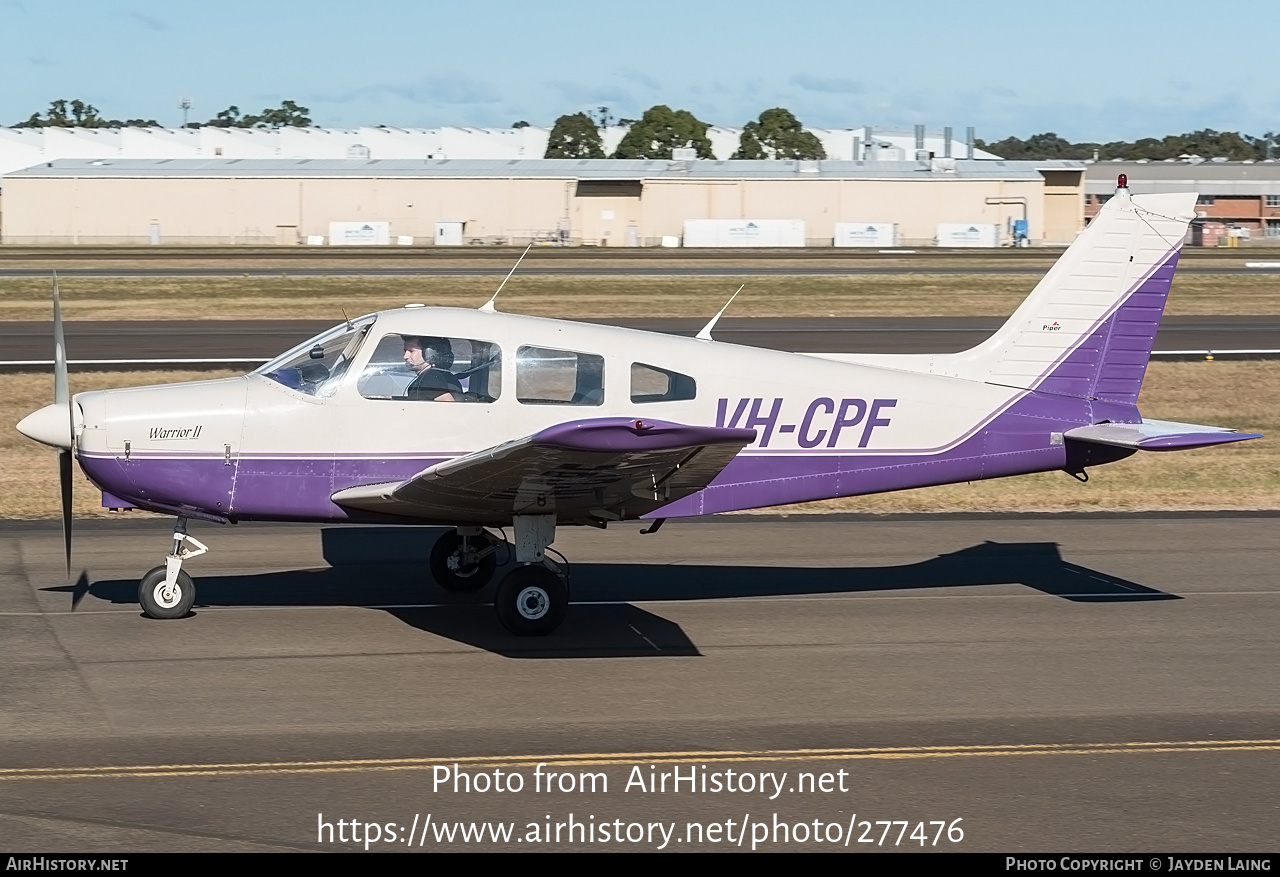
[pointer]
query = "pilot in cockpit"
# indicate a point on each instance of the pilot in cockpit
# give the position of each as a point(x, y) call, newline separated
point(430, 359)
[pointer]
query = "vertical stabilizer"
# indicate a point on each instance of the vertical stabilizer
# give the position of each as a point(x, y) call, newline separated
point(1089, 326)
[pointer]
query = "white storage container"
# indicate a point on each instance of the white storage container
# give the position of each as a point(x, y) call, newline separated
point(968, 234)
point(346, 234)
point(744, 233)
point(866, 234)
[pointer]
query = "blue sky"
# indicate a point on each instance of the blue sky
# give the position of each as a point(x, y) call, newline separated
point(1087, 70)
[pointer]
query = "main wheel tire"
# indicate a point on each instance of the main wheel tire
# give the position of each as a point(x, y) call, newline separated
point(532, 601)
point(160, 602)
point(458, 579)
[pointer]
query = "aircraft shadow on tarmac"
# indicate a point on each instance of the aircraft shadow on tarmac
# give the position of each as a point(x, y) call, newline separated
point(385, 568)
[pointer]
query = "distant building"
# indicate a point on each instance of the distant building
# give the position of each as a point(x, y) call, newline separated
point(27, 147)
point(1235, 194)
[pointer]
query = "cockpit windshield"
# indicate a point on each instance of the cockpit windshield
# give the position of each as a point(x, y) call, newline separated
point(316, 367)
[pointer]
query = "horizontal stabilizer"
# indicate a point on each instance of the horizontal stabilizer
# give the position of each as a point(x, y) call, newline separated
point(1157, 435)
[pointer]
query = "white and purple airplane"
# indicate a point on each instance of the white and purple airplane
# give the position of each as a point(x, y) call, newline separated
point(478, 420)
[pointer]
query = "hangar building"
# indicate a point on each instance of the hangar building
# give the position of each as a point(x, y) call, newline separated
point(590, 202)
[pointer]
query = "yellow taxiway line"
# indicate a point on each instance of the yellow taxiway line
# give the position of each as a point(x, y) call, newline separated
point(628, 758)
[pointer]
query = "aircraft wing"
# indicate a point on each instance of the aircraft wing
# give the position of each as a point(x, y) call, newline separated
point(1157, 435)
point(583, 471)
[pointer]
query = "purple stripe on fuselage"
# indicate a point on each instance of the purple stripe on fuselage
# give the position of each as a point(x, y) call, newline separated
point(1016, 441)
point(270, 489)
point(163, 483)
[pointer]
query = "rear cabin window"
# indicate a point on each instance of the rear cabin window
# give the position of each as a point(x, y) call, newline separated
point(652, 384)
point(431, 368)
point(559, 377)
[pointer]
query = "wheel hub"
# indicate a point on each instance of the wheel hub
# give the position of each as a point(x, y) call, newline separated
point(168, 597)
point(463, 564)
point(533, 603)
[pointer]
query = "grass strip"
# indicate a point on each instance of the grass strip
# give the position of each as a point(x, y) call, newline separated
point(228, 298)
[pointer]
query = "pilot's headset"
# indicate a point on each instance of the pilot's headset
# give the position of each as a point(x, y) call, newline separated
point(437, 352)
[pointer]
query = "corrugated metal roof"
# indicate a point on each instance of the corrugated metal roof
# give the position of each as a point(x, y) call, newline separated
point(1206, 177)
point(570, 169)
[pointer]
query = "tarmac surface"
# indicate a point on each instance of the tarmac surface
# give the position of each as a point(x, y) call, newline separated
point(580, 271)
point(1056, 683)
point(262, 339)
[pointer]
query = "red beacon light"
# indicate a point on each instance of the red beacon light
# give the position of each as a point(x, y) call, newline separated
point(1122, 181)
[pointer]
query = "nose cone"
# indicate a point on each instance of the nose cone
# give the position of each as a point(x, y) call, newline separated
point(50, 425)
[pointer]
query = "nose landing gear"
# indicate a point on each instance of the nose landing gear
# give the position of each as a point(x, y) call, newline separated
point(166, 591)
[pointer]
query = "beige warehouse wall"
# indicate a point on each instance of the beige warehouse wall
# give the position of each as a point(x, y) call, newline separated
point(264, 210)
point(88, 210)
point(490, 208)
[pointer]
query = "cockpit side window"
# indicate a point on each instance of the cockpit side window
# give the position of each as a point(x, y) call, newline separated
point(652, 384)
point(316, 367)
point(432, 368)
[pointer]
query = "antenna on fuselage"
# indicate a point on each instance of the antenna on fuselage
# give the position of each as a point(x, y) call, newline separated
point(490, 306)
point(705, 334)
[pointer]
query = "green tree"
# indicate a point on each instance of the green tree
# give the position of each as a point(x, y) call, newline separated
point(1206, 143)
point(661, 130)
point(287, 115)
point(777, 134)
point(1037, 146)
point(574, 136)
point(228, 118)
point(78, 114)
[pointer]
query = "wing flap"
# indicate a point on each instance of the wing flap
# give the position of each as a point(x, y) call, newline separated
point(1157, 435)
point(581, 471)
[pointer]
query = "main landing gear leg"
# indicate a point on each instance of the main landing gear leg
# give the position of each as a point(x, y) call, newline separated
point(532, 599)
point(166, 591)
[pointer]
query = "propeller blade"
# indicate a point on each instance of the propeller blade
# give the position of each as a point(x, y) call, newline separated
point(64, 479)
point(61, 388)
point(62, 396)
point(79, 590)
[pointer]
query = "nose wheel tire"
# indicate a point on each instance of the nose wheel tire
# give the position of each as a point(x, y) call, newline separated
point(159, 601)
point(462, 571)
point(531, 601)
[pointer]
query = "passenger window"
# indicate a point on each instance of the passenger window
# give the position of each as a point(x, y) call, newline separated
point(430, 368)
point(652, 384)
point(559, 377)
